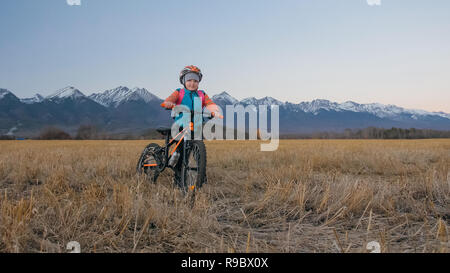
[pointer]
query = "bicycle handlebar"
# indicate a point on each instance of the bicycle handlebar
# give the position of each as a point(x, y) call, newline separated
point(203, 113)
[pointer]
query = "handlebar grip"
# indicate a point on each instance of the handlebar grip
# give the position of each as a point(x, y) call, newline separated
point(167, 106)
point(213, 115)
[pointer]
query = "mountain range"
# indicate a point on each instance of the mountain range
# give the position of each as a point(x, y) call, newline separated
point(125, 110)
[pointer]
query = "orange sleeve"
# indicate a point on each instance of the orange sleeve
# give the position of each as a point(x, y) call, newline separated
point(171, 101)
point(210, 105)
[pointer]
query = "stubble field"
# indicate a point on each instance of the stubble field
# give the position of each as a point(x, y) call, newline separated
point(308, 196)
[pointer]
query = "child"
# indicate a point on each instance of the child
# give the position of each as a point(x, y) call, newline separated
point(190, 78)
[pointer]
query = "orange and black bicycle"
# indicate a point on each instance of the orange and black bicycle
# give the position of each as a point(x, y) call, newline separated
point(189, 167)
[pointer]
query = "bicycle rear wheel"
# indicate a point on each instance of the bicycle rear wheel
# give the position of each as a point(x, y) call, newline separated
point(150, 162)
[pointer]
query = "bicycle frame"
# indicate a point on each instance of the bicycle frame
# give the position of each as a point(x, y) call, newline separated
point(168, 143)
point(162, 163)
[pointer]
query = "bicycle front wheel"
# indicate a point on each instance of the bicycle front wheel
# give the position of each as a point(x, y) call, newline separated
point(194, 168)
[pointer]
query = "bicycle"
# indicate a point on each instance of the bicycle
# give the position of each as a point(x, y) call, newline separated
point(155, 159)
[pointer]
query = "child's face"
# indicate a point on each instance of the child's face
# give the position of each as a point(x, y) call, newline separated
point(192, 85)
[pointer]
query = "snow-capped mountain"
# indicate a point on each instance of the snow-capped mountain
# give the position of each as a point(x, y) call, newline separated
point(65, 93)
point(224, 99)
point(115, 97)
point(377, 109)
point(3, 93)
point(315, 106)
point(323, 115)
point(127, 110)
point(37, 98)
point(262, 101)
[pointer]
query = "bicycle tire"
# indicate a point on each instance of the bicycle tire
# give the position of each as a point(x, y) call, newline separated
point(194, 176)
point(150, 155)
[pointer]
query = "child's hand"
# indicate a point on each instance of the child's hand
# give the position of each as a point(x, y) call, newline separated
point(216, 114)
point(168, 105)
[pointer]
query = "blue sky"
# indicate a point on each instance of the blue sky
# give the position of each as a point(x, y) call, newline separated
point(296, 50)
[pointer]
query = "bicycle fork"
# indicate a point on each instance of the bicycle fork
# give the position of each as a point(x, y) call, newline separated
point(185, 162)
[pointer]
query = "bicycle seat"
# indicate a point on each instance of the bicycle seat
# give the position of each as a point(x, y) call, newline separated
point(164, 130)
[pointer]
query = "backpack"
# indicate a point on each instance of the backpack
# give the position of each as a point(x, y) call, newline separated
point(200, 93)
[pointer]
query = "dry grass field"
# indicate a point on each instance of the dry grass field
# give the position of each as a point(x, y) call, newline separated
point(308, 196)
